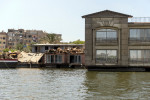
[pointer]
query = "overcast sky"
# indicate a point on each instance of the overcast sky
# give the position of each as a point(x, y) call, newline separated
point(62, 16)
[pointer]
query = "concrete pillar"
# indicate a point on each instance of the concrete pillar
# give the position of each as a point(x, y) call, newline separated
point(124, 45)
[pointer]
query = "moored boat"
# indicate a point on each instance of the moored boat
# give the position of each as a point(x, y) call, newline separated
point(8, 63)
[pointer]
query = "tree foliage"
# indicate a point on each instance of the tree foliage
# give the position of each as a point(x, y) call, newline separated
point(9, 50)
point(19, 47)
point(77, 42)
point(6, 50)
point(28, 48)
point(51, 38)
point(22, 47)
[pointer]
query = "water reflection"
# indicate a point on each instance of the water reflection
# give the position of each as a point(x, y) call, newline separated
point(116, 85)
point(72, 84)
point(42, 84)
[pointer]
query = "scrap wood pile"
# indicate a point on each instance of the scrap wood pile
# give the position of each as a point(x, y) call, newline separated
point(66, 50)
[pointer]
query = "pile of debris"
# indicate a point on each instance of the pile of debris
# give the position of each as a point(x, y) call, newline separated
point(30, 57)
point(66, 50)
point(7, 55)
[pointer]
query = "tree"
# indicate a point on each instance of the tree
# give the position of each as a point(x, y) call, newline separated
point(19, 47)
point(22, 47)
point(6, 50)
point(51, 38)
point(9, 50)
point(77, 42)
point(27, 48)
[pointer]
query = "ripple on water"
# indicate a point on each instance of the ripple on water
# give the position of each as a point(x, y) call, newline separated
point(72, 84)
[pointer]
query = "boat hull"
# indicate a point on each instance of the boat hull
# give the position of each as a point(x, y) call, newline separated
point(8, 63)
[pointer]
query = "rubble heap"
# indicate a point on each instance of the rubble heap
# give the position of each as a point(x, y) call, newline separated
point(7, 55)
point(66, 50)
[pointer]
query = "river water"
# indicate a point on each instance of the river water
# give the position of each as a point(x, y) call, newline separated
point(73, 84)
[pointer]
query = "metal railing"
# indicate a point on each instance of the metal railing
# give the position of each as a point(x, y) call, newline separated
point(139, 19)
point(139, 60)
point(106, 60)
point(106, 40)
point(140, 39)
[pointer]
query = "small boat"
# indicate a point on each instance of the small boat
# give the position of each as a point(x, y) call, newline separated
point(8, 63)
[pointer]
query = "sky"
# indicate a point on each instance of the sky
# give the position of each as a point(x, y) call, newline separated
point(62, 16)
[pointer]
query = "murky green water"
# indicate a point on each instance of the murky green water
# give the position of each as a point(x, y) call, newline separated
point(73, 84)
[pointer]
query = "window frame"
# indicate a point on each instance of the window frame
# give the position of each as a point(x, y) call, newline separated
point(138, 60)
point(107, 37)
point(143, 35)
point(109, 62)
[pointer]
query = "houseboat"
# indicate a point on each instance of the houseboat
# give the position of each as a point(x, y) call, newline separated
point(61, 55)
point(64, 58)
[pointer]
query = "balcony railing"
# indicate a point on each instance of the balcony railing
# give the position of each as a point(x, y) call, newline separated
point(141, 39)
point(139, 19)
point(106, 60)
point(106, 40)
point(139, 60)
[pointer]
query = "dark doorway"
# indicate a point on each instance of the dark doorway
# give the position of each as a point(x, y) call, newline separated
point(35, 49)
point(75, 59)
point(46, 47)
point(52, 58)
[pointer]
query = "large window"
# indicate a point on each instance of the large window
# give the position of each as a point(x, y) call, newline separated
point(106, 35)
point(106, 56)
point(139, 56)
point(50, 59)
point(54, 59)
point(139, 35)
point(58, 58)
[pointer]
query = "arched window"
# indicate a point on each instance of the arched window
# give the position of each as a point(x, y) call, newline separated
point(106, 35)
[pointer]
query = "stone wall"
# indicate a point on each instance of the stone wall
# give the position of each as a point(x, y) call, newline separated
point(119, 24)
